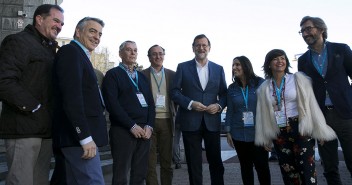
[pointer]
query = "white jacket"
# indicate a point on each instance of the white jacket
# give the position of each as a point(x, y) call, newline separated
point(310, 117)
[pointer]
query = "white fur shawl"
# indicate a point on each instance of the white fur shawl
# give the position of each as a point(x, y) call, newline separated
point(311, 119)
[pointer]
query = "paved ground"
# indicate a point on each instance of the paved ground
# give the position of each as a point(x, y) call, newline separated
point(233, 175)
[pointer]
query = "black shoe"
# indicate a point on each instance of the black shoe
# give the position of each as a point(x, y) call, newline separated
point(178, 166)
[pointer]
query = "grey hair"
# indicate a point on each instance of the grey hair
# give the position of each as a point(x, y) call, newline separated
point(82, 23)
point(124, 44)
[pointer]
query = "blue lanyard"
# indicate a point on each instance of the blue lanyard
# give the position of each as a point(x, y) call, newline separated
point(278, 91)
point(156, 81)
point(320, 68)
point(245, 96)
point(135, 83)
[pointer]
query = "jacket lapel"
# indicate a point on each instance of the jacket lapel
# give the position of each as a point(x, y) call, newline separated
point(147, 74)
point(310, 64)
point(167, 77)
point(84, 55)
point(193, 70)
point(86, 59)
point(330, 68)
point(211, 75)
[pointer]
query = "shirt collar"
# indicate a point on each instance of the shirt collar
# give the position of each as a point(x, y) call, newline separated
point(125, 67)
point(154, 70)
point(286, 76)
point(311, 49)
point(199, 65)
point(83, 47)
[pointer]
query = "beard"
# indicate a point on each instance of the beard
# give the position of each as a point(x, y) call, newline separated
point(201, 56)
point(310, 40)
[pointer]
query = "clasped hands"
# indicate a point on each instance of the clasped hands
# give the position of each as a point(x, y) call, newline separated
point(139, 132)
point(211, 109)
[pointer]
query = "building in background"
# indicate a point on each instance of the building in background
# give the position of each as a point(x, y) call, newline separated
point(15, 15)
point(63, 40)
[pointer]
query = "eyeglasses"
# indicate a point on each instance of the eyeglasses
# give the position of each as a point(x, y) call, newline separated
point(157, 54)
point(306, 29)
point(201, 46)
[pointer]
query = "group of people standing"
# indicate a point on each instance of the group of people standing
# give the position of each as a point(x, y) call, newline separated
point(293, 111)
point(52, 104)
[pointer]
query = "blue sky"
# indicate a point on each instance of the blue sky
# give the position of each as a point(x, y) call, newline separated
point(234, 27)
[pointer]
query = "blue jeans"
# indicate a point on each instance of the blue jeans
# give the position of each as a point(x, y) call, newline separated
point(82, 171)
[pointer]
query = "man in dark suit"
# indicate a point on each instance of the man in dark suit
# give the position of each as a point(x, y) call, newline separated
point(130, 104)
point(79, 125)
point(26, 60)
point(160, 79)
point(329, 65)
point(200, 90)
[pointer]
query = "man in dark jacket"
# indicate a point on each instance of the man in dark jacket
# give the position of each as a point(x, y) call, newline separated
point(79, 122)
point(130, 104)
point(26, 60)
point(329, 65)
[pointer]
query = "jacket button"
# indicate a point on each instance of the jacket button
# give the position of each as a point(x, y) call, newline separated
point(78, 130)
point(325, 82)
point(24, 107)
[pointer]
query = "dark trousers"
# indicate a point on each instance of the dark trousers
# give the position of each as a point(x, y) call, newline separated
point(161, 143)
point(129, 155)
point(176, 156)
point(296, 156)
point(193, 152)
point(250, 155)
point(329, 153)
point(59, 174)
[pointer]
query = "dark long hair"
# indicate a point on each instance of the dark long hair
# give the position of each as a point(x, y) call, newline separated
point(247, 71)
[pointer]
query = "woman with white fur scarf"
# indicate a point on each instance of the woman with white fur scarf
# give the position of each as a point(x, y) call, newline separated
point(288, 116)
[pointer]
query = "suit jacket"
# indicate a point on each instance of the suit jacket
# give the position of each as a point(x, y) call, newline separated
point(78, 109)
point(121, 100)
point(169, 76)
point(336, 78)
point(187, 87)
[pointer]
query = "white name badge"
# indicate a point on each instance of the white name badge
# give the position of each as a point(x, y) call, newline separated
point(280, 118)
point(142, 100)
point(248, 119)
point(160, 101)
